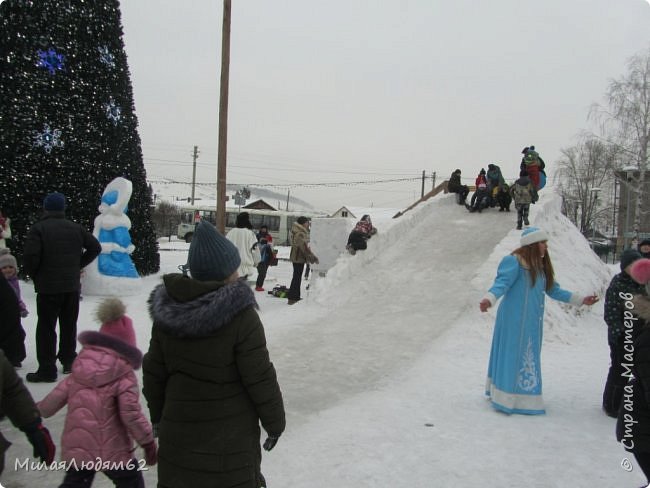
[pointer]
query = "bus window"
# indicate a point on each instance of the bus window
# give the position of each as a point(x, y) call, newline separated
point(271, 221)
point(231, 219)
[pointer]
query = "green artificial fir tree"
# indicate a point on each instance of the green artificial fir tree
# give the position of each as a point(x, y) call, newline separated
point(67, 117)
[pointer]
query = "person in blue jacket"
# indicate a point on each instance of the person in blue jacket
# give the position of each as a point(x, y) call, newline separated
point(514, 381)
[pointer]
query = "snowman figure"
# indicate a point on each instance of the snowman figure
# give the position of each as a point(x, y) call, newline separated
point(113, 272)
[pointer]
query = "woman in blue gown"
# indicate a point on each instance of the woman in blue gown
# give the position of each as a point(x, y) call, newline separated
point(514, 380)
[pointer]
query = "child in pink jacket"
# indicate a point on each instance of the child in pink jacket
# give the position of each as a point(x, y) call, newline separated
point(103, 398)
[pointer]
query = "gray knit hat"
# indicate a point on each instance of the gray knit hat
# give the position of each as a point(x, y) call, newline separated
point(212, 257)
point(6, 258)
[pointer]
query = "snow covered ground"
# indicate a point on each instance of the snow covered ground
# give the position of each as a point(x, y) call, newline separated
point(383, 363)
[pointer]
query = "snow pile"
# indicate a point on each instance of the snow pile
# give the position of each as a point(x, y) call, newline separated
point(576, 267)
point(382, 365)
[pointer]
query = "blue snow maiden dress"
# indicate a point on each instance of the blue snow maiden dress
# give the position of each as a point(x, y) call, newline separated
point(514, 380)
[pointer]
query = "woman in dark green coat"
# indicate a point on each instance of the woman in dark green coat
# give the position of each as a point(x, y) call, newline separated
point(207, 376)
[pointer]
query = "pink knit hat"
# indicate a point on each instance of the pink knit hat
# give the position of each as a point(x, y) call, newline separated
point(640, 271)
point(111, 313)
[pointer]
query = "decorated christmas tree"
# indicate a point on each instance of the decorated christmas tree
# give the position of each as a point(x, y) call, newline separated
point(67, 117)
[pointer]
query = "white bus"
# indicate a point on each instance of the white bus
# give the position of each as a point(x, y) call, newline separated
point(279, 222)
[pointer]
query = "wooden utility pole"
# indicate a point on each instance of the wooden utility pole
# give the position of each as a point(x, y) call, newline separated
point(195, 155)
point(423, 178)
point(223, 118)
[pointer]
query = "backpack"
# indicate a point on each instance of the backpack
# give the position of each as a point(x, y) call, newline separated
point(522, 193)
point(274, 258)
point(279, 291)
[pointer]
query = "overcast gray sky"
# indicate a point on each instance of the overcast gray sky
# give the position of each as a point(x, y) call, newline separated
point(353, 90)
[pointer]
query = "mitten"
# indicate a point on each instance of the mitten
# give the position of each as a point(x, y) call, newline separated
point(150, 453)
point(270, 442)
point(41, 440)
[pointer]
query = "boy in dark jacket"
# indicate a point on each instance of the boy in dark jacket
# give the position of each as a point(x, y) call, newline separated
point(266, 253)
point(523, 193)
point(615, 314)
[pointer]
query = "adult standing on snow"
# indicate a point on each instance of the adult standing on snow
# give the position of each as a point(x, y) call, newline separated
point(300, 254)
point(616, 315)
point(514, 381)
point(207, 376)
point(245, 240)
point(56, 250)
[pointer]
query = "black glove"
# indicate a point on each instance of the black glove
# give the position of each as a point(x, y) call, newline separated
point(270, 442)
point(40, 438)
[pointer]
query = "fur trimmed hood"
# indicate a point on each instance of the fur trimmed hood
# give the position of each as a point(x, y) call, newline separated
point(204, 312)
point(92, 338)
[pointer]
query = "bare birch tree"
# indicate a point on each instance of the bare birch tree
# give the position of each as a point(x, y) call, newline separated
point(627, 119)
point(585, 177)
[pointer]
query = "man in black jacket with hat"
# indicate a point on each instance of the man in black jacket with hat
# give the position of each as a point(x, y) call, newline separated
point(56, 249)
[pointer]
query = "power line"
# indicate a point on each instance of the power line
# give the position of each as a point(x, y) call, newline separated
point(234, 166)
point(295, 185)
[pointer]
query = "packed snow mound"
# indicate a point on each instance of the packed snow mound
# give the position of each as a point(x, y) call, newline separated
point(440, 246)
point(577, 268)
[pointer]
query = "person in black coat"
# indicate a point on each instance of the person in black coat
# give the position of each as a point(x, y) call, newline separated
point(455, 186)
point(644, 248)
point(616, 318)
point(633, 425)
point(55, 251)
point(503, 198)
point(207, 376)
point(17, 404)
point(12, 334)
